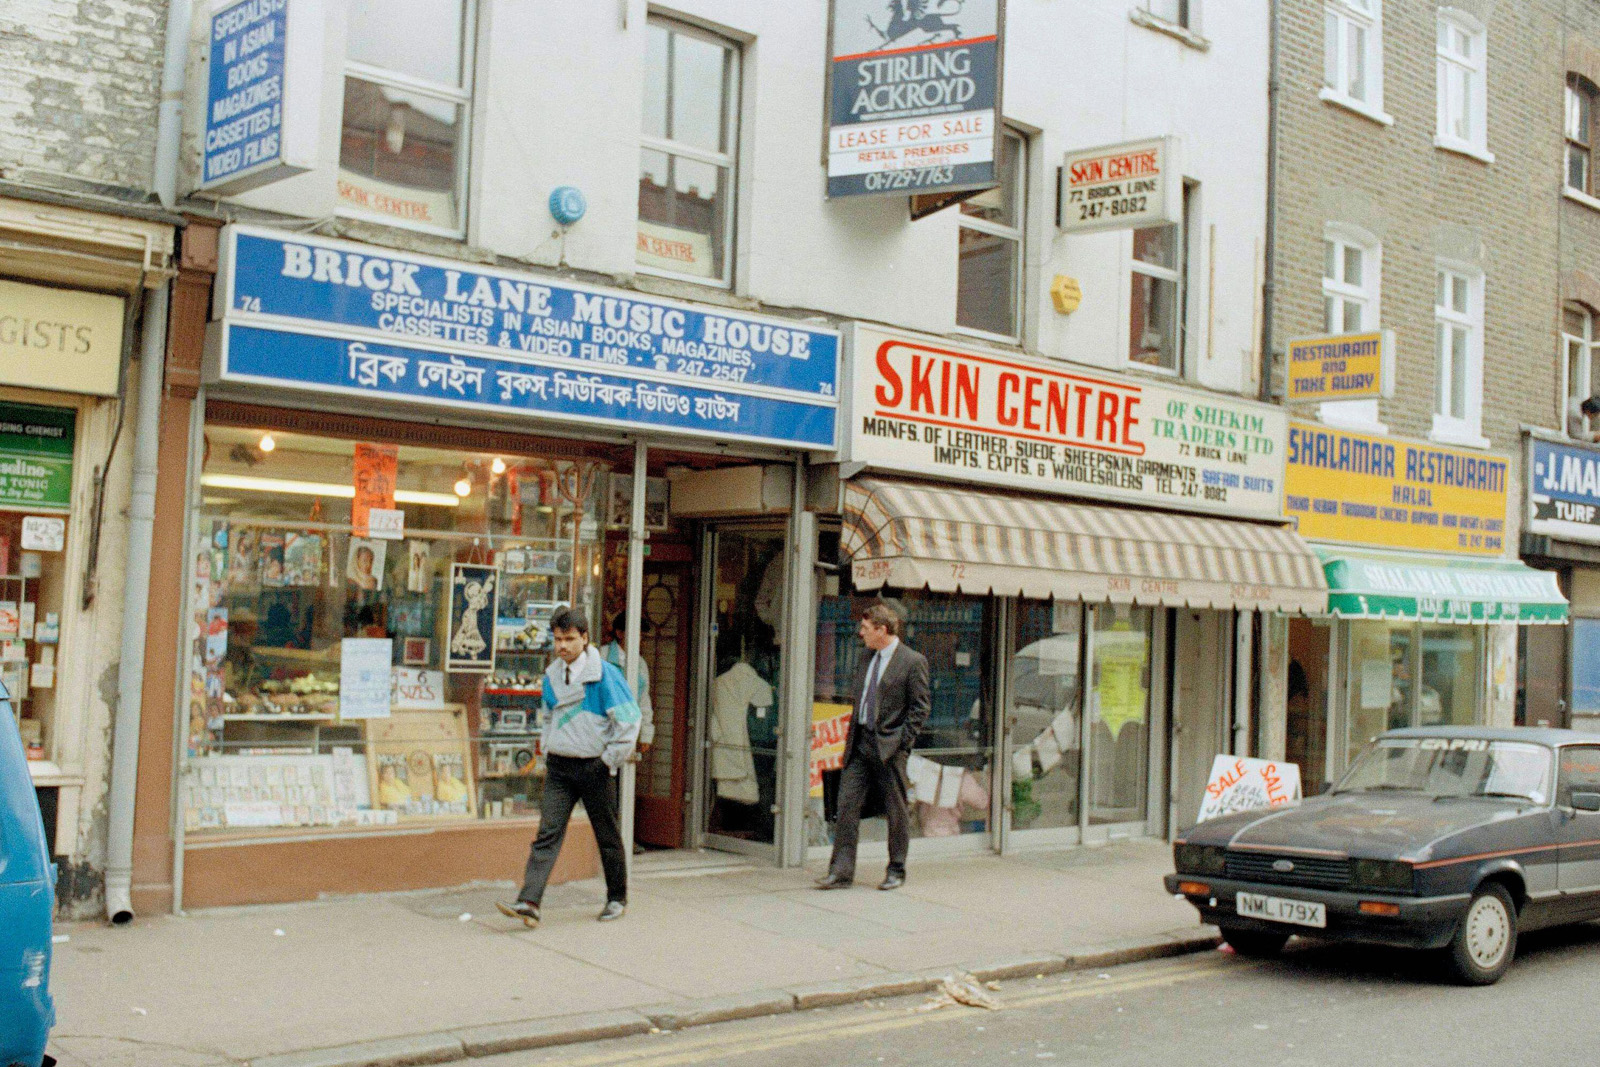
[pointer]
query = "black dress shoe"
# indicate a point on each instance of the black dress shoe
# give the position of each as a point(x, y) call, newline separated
point(832, 881)
point(892, 881)
point(528, 913)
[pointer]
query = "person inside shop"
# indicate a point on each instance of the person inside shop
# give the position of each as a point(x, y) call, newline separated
point(615, 653)
point(590, 725)
point(893, 700)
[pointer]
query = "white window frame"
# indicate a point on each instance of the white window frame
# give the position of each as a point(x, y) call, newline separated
point(459, 95)
point(733, 101)
point(1581, 140)
point(1468, 428)
point(1474, 70)
point(1016, 234)
point(1583, 348)
point(1354, 414)
point(1175, 275)
point(1341, 19)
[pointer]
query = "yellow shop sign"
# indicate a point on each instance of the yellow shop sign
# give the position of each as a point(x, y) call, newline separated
point(1344, 367)
point(1363, 489)
point(62, 339)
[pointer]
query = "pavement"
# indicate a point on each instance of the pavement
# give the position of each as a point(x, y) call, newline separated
point(440, 976)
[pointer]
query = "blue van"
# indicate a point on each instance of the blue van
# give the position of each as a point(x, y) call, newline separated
point(27, 903)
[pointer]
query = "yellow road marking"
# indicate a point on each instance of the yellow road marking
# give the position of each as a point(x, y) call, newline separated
point(694, 1050)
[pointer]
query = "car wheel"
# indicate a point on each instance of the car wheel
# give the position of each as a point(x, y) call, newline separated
point(1254, 943)
point(1486, 938)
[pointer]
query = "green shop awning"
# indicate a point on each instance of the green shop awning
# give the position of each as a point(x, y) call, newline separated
point(1381, 585)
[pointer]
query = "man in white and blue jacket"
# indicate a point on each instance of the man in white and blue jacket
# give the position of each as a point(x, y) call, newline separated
point(591, 722)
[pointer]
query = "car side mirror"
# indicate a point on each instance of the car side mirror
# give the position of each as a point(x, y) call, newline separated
point(1586, 801)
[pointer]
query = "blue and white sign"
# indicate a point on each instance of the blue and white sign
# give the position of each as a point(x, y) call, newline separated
point(263, 82)
point(338, 317)
point(1564, 490)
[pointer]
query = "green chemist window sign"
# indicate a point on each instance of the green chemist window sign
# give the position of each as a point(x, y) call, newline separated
point(36, 456)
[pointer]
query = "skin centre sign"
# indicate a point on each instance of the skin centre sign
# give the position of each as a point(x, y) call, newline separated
point(923, 407)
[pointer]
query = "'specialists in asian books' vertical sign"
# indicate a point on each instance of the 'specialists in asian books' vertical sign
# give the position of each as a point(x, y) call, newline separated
point(263, 90)
point(914, 95)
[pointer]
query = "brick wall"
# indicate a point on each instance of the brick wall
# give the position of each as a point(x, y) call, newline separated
point(79, 87)
point(1422, 202)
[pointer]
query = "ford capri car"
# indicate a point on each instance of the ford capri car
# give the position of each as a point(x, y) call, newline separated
point(1453, 839)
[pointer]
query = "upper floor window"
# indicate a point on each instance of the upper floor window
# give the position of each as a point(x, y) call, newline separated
point(1462, 105)
point(1352, 54)
point(407, 97)
point(1580, 134)
point(1458, 355)
point(1580, 371)
point(1177, 12)
point(1349, 285)
point(1155, 307)
point(989, 247)
point(688, 156)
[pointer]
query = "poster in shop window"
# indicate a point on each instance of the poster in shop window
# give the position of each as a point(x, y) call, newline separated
point(474, 595)
point(925, 407)
point(913, 95)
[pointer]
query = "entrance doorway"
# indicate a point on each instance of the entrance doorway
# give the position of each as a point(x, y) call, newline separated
point(1203, 650)
point(665, 649)
point(743, 586)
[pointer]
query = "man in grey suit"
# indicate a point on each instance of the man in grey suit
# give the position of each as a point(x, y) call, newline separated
point(892, 703)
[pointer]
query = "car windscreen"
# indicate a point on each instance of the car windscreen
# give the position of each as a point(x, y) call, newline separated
point(1452, 767)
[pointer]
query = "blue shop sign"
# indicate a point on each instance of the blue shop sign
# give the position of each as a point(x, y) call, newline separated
point(335, 316)
point(1563, 490)
point(262, 84)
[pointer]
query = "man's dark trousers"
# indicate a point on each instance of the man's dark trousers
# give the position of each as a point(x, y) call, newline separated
point(864, 767)
point(568, 780)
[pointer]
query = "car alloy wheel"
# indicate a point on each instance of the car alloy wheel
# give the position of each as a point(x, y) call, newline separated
point(1486, 939)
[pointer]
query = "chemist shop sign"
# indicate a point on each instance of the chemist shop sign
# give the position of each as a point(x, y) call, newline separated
point(36, 456)
point(1363, 489)
point(922, 406)
point(1564, 490)
point(337, 317)
point(914, 96)
point(263, 85)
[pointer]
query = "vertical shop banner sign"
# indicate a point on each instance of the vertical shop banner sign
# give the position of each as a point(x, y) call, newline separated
point(1121, 187)
point(924, 407)
point(1354, 366)
point(36, 456)
point(1564, 490)
point(375, 472)
point(1364, 489)
point(263, 85)
point(914, 95)
point(474, 594)
point(830, 725)
point(364, 681)
point(1239, 783)
point(330, 316)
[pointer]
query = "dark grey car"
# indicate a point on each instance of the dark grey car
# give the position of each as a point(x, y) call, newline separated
point(1450, 838)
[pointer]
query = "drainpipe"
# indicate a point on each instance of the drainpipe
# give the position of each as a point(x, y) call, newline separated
point(1269, 283)
point(142, 507)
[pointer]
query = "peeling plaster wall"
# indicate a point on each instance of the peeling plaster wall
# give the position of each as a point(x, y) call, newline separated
point(79, 87)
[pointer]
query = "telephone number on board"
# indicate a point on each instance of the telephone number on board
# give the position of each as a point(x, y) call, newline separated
point(908, 179)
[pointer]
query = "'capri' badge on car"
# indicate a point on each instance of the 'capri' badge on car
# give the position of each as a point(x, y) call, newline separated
point(1282, 866)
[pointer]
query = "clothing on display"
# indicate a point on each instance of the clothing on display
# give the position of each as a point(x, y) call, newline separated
point(733, 693)
point(769, 595)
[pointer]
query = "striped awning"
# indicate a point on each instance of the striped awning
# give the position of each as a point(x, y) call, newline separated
point(914, 536)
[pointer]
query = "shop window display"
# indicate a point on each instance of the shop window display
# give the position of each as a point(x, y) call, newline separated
point(950, 767)
point(1044, 728)
point(361, 664)
point(32, 580)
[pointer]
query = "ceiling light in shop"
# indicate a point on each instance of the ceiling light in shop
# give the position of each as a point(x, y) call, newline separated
point(298, 488)
point(267, 443)
point(498, 465)
point(463, 487)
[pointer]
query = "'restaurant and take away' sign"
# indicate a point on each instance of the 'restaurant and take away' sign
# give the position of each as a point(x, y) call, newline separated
point(921, 406)
point(914, 95)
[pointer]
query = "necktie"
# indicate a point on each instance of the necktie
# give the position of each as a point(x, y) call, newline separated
point(869, 696)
